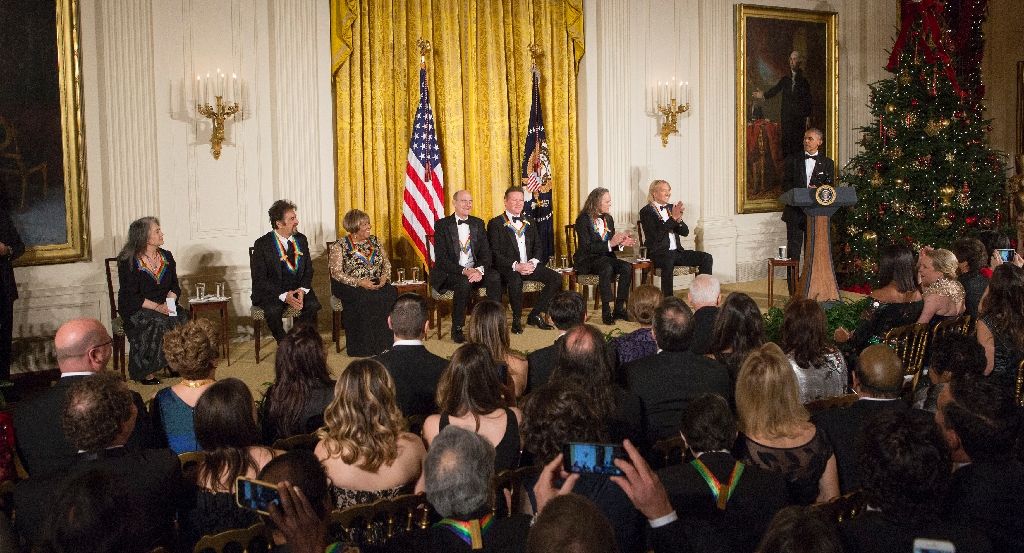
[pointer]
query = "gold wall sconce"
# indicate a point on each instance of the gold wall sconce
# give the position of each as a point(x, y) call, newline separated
point(224, 94)
point(667, 100)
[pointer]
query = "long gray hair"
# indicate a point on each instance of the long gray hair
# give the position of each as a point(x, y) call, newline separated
point(138, 237)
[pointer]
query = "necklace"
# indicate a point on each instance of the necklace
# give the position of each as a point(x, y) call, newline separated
point(197, 383)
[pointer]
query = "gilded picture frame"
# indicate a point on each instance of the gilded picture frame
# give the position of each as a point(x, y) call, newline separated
point(777, 98)
point(42, 150)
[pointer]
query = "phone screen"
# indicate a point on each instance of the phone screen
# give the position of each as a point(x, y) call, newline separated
point(588, 458)
point(1005, 254)
point(922, 545)
point(255, 495)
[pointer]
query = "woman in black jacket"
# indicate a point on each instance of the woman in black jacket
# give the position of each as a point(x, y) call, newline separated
point(597, 242)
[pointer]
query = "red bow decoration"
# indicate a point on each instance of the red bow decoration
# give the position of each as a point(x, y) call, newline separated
point(928, 12)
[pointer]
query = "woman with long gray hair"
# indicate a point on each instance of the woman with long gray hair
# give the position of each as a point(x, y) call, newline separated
point(147, 297)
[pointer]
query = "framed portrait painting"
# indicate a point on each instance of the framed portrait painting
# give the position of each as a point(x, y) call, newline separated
point(42, 158)
point(786, 83)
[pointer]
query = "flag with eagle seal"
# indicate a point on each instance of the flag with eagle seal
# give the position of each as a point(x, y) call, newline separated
point(537, 173)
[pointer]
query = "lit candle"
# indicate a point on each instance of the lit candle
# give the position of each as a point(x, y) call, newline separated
point(206, 90)
point(234, 87)
point(672, 90)
point(196, 87)
point(686, 91)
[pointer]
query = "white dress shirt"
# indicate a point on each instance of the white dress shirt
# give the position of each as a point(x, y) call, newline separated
point(466, 258)
point(663, 213)
point(809, 166)
point(284, 247)
point(520, 240)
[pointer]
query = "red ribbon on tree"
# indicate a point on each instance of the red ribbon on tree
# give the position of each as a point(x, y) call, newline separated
point(927, 11)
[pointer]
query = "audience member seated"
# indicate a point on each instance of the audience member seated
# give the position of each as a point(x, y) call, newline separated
point(573, 523)
point(147, 293)
point(295, 402)
point(1001, 322)
point(971, 258)
point(597, 243)
point(96, 513)
point(878, 381)
point(229, 437)
point(645, 490)
point(778, 434)
point(942, 292)
point(896, 303)
point(725, 505)
point(471, 395)
point(191, 350)
point(643, 300)
point(98, 419)
point(820, 368)
point(364, 450)
point(82, 348)
point(556, 415)
point(568, 309)
point(738, 330)
point(952, 355)
point(296, 525)
point(704, 295)
point(666, 380)
point(414, 370)
point(980, 424)
point(798, 529)
point(905, 469)
point(457, 475)
point(992, 241)
point(361, 279)
point(489, 328)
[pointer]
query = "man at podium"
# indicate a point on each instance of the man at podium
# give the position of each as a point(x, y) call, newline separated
point(808, 169)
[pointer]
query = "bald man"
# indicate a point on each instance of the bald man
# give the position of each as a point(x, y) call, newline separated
point(83, 348)
point(878, 381)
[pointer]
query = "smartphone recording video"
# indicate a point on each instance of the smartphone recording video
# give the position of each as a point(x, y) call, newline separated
point(256, 495)
point(1006, 254)
point(588, 458)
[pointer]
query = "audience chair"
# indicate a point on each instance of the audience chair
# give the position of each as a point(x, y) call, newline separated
point(437, 299)
point(510, 486)
point(669, 451)
point(960, 325)
point(254, 539)
point(1019, 387)
point(909, 343)
point(258, 316)
point(116, 323)
point(843, 507)
point(840, 402)
point(584, 280)
point(335, 309)
point(648, 276)
point(190, 462)
point(298, 441)
point(374, 523)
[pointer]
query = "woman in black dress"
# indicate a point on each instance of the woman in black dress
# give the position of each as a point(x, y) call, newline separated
point(360, 275)
point(149, 288)
point(595, 254)
point(302, 388)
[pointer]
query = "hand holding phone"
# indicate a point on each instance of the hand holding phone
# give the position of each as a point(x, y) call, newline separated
point(591, 458)
point(1005, 254)
point(255, 495)
point(923, 545)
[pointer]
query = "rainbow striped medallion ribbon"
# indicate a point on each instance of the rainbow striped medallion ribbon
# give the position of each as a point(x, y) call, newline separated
point(464, 246)
point(520, 231)
point(469, 531)
point(602, 233)
point(367, 258)
point(293, 266)
point(717, 487)
point(158, 272)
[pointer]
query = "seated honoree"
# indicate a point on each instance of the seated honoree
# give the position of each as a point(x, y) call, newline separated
point(595, 254)
point(148, 280)
point(663, 226)
point(282, 270)
point(519, 256)
point(360, 278)
point(462, 260)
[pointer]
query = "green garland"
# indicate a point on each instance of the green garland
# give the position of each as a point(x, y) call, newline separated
point(846, 314)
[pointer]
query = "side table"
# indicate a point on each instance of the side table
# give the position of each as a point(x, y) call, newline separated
point(217, 307)
point(415, 286)
point(792, 271)
point(644, 266)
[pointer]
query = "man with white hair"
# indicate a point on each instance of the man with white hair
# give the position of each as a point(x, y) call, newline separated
point(704, 296)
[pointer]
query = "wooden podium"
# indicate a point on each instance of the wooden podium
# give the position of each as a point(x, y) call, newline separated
point(818, 277)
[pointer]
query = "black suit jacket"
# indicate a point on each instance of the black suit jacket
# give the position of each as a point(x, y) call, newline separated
point(796, 99)
point(540, 364)
point(795, 176)
point(842, 426)
point(447, 247)
point(703, 325)
point(415, 372)
point(504, 246)
point(265, 268)
point(656, 231)
point(9, 236)
point(590, 246)
point(666, 381)
point(40, 438)
point(987, 496)
point(875, 532)
point(758, 496)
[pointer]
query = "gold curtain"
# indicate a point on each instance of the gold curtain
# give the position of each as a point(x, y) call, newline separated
point(480, 86)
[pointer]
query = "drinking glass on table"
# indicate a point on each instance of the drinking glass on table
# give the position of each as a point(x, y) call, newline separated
point(416, 273)
point(643, 253)
point(565, 262)
point(200, 290)
point(401, 276)
point(220, 289)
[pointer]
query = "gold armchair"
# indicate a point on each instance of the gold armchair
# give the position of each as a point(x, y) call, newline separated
point(909, 343)
point(374, 523)
point(253, 539)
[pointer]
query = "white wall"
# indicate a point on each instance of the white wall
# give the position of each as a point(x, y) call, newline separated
point(147, 152)
point(631, 43)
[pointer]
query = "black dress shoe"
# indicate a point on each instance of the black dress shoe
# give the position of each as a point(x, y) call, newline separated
point(149, 381)
point(621, 315)
point(457, 335)
point(517, 326)
point(607, 318)
point(537, 321)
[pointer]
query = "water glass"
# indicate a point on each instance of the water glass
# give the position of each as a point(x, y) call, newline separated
point(220, 290)
point(782, 252)
point(200, 290)
point(565, 262)
point(643, 253)
point(401, 276)
point(416, 273)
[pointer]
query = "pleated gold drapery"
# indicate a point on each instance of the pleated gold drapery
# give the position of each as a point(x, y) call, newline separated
point(480, 86)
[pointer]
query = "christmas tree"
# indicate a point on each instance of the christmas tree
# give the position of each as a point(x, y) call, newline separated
point(925, 174)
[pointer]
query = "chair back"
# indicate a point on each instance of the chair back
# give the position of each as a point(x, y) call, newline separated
point(510, 486)
point(909, 341)
point(253, 539)
point(819, 405)
point(640, 234)
point(1019, 387)
point(111, 266)
point(430, 252)
point(570, 240)
point(843, 507)
point(670, 451)
point(960, 325)
point(190, 462)
point(372, 524)
point(299, 441)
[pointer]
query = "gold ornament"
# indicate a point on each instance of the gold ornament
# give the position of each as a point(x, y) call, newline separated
point(895, 153)
point(901, 184)
point(943, 222)
point(944, 122)
point(905, 78)
point(909, 119)
point(876, 180)
point(890, 108)
point(870, 236)
point(946, 193)
point(950, 157)
point(932, 128)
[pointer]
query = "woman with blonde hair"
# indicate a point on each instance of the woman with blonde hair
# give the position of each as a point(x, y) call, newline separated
point(363, 445)
point(191, 350)
point(943, 294)
point(489, 328)
point(778, 434)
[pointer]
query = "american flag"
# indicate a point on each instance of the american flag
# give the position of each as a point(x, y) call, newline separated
point(536, 173)
point(424, 179)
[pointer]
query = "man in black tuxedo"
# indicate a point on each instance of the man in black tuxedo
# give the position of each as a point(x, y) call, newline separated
point(98, 419)
point(663, 228)
point(462, 260)
point(414, 369)
point(808, 169)
point(83, 349)
point(282, 270)
point(795, 116)
point(519, 256)
point(11, 247)
point(878, 381)
point(568, 309)
point(704, 295)
point(667, 380)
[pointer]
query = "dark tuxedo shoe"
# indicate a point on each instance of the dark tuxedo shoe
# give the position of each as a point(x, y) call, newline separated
point(537, 321)
point(457, 335)
point(517, 326)
point(606, 315)
point(149, 381)
point(621, 315)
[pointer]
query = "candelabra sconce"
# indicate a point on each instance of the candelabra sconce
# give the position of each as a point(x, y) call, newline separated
point(217, 113)
point(668, 100)
point(225, 93)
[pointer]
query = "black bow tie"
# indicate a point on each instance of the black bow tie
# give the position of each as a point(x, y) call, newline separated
point(664, 207)
point(516, 219)
point(462, 221)
point(809, 156)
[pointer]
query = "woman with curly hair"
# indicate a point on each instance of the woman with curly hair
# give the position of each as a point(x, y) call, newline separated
point(191, 350)
point(738, 330)
point(819, 367)
point(470, 395)
point(227, 433)
point(363, 446)
point(643, 301)
point(488, 327)
point(1001, 321)
point(302, 388)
